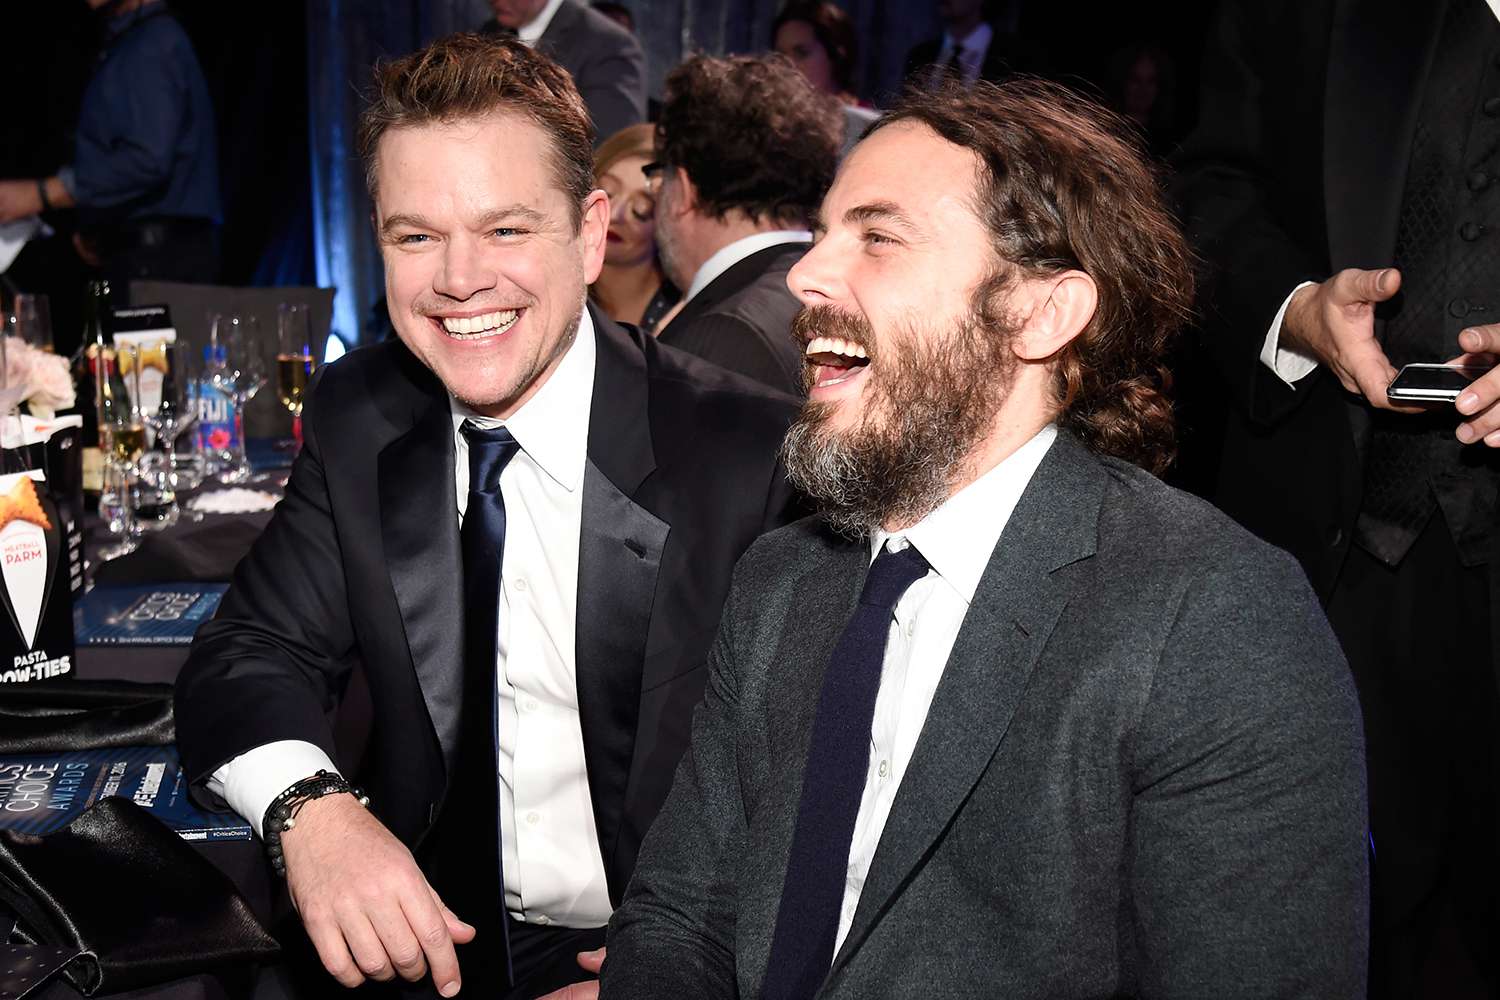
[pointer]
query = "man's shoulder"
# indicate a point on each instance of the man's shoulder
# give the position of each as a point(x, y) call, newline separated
point(781, 557)
point(686, 380)
point(370, 379)
point(1165, 537)
point(577, 24)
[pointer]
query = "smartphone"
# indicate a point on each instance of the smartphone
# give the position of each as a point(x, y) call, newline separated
point(1432, 383)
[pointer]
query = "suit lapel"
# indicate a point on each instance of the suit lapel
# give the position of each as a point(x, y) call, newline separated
point(1379, 55)
point(415, 476)
point(1024, 589)
point(828, 593)
point(619, 556)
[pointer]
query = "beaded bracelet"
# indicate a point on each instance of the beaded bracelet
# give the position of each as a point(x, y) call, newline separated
point(281, 815)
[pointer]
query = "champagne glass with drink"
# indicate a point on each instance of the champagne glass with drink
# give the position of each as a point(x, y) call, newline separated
point(122, 438)
point(294, 360)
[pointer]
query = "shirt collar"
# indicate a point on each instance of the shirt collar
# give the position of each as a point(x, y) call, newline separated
point(958, 538)
point(727, 256)
point(552, 427)
point(976, 41)
point(537, 26)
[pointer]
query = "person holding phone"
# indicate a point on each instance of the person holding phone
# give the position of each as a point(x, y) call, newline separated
point(1343, 188)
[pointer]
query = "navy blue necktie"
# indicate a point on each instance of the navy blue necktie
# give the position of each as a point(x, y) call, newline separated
point(483, 541)
point(838, 758)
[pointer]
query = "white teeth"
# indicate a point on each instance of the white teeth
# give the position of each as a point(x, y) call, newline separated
point(835, 345)
point(489, 323)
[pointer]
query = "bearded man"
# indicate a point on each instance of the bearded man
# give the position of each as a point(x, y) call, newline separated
point(1010, 718)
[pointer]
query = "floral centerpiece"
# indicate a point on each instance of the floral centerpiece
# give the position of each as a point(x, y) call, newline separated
point(39, 379)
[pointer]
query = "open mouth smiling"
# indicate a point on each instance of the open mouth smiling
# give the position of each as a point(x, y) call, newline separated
point(834, 360)
point(488, 324)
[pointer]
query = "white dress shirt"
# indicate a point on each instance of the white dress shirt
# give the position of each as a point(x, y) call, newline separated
point(957, 540)
point(1290, 364)
point(534, 28)
point(976, 45)
point(554, 869)
point(731, 254)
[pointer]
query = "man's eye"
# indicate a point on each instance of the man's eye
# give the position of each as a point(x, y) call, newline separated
point(506, 232)
point(877, 237)
point(412, 238)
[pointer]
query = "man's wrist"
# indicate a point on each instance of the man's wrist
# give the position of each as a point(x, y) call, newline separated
point(281, 815)
point(41, 195)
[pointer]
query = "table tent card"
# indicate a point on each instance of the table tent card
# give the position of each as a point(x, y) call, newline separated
point(36, 630)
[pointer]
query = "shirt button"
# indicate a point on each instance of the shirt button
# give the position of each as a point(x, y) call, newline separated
point(533, 818)
point(521, 584)
point(1458, 308)
point(911, 628)
point(528, 704)
point(543, 919)
point(885, 768)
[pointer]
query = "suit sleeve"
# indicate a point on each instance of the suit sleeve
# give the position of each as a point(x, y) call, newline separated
point(613, 85)
point(672, 937)
point(1228, 198)
point(270, 663)
point(1247, 851)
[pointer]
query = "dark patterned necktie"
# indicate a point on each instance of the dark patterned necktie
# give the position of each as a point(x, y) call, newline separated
point(483, 542)
point(833, 782)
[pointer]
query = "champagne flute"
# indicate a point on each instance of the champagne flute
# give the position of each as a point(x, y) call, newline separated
point(34, 320)
point(294, 360)
point(122, 438)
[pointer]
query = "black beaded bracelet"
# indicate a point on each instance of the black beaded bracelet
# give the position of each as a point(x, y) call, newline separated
point(281, 815)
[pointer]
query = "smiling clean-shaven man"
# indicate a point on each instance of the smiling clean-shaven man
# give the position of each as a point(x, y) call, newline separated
point(1010, 717)
point(518, 523)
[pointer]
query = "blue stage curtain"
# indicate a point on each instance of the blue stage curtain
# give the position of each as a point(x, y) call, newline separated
point(345, 37)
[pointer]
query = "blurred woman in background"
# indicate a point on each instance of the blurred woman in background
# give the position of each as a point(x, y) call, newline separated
point(820, 40)
point(631, 287)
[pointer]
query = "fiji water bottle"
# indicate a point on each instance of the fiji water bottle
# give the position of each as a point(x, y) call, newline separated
point(218, 429)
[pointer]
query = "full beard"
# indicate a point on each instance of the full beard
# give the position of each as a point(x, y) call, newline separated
point(931, 401)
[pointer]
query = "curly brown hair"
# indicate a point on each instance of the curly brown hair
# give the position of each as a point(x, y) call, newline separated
point(1065, 187)
point(752, 134)
point(469, 75)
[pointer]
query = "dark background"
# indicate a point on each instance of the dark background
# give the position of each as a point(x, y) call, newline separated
point(286, 78)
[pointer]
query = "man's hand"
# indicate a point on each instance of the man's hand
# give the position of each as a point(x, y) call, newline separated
point(18, 199)
point(365, 905)
point(1481, 346)
point(1335, 322)
point(592, 961)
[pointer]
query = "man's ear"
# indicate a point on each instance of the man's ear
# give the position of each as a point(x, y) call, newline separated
point(686, 198)
point(593, 231)
point(1060, 307)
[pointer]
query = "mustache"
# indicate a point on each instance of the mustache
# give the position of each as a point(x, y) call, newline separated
point(827, 321)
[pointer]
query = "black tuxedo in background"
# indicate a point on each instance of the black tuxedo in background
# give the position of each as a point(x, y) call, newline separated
point(742, 320)
point(1007, 55)
point(1316, 152)
point(361, 565)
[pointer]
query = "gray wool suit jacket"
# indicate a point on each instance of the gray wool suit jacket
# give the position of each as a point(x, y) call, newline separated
point(1142, 773)
point(606, 61)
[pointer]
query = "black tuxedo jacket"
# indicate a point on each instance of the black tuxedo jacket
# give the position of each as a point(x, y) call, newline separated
point(1297, 171)
point(742, 320)
point(361, 564)
point(1007, 55)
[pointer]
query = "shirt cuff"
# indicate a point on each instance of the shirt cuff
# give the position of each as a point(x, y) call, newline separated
point(251, 781)
point(69, 181)
point(1288, 363)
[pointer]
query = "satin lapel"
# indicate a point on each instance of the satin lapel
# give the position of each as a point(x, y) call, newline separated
point(1023, 591)
point(826, 600)
point(619, 554)
point(1378, 59)
point(419, 529)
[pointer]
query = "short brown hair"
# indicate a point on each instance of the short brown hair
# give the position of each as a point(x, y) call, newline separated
point(753, 135)
point(470, 75)
point(1063, 186)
